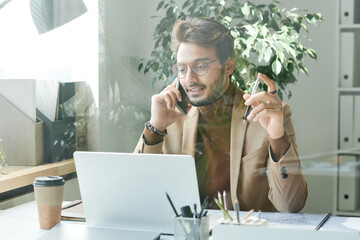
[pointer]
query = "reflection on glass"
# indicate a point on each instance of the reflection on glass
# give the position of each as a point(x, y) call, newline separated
point(50, 14)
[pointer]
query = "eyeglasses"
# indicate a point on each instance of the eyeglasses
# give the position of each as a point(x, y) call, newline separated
point(199, 68)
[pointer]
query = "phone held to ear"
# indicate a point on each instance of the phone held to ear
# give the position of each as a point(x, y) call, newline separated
point(183, 105)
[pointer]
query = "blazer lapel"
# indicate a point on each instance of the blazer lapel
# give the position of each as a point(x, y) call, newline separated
point(189, 136)
point(238, 130)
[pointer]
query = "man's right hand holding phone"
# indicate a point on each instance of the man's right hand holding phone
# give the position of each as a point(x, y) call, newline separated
point(163, 112)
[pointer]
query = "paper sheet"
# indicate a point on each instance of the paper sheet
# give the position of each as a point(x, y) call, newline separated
point(293, 220)
point(277, 220)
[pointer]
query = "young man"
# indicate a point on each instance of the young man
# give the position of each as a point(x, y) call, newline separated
point(256, 161)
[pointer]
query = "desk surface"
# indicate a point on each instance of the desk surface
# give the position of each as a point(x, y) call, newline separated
point(25, 215)
point(20, 176)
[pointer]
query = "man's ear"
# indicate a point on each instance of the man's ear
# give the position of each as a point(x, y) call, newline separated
point(229, 66)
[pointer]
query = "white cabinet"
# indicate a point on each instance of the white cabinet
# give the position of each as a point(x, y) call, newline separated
point(347, 192)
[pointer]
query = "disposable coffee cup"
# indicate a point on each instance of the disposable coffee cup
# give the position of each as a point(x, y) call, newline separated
point(49, 192)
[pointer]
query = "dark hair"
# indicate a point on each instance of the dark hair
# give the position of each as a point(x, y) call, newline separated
point(205, 33)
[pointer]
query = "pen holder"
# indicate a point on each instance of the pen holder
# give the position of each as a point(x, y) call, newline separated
point(191, 229)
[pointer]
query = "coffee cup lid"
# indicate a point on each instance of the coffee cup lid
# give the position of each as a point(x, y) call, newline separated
point(49, 181)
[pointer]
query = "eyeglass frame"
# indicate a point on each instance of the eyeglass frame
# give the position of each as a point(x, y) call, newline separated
point(206, 63)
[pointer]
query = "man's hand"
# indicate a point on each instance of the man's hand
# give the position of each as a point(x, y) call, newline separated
point(163, 107)
point(267, 109)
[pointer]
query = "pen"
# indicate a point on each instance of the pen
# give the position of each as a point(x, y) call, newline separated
point(222, 209)
point(71, 205)
point(237, 209)
point(172, 205)
point(194, 215)
point(176, 213)
point(323, 221)
point(248, 214)
point(220, 198)
point(204, 205)
point(221, 203)
point(225, 203)
point(252, 93)
point(204, 214)
point(195, 210)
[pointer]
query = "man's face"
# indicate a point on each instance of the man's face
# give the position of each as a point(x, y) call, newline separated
point(206, 89)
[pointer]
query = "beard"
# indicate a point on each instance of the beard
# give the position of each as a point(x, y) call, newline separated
point(217, 90)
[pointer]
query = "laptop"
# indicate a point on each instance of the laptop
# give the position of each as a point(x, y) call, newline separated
point(127, 191)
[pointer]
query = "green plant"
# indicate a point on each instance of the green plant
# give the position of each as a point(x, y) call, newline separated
point(3, 165)
point(267, 39)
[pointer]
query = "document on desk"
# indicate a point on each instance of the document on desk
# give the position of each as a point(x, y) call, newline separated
point(293, 220)
point(73, 211)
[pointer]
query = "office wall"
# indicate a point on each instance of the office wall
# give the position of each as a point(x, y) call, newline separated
point(125, 93)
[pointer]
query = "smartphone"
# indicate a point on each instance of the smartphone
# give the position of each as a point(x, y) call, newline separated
point(183, 105)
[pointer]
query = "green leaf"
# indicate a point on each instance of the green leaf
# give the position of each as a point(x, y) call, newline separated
point(160, 5)
point(305, 27)
point(312, 53)
point(246, 53)
point(245, 10)
point(284, 29)
point(267, 55)
point(276, 67)
point(186, 3)
point(140, 66)
point(258, 46)
point(250, 30)
point(264, 31)
point(293, 15)
point(170, 13)
point(303, 68)
point(281, 56)
point(318, 16)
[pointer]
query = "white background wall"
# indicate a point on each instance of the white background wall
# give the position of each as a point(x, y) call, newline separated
point(128, 37)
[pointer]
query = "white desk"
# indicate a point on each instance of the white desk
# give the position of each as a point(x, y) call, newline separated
point(21, 222)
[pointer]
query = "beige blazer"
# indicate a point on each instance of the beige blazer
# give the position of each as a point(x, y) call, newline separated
point(256, 181)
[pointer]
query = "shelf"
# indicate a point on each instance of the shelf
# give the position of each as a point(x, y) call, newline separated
point(349, 26)
point(346, 213)
point(353, 89)
point(20, 176)
point(350, 151)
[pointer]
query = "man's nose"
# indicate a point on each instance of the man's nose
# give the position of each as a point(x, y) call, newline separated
point(190, 75)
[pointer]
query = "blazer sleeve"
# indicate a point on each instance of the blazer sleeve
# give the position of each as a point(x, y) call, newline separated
point(288, 187)
point(142, 147)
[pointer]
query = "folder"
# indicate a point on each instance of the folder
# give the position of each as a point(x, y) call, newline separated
point(22, 94)
point(349, 182)
point(47, 92)
point(347, 58)
point(22, 138)
point(55, 139)
point(349, 11)
point(346, 135)
point(357, 122)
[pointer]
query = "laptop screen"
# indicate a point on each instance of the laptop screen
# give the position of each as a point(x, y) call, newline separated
point(127, 190)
